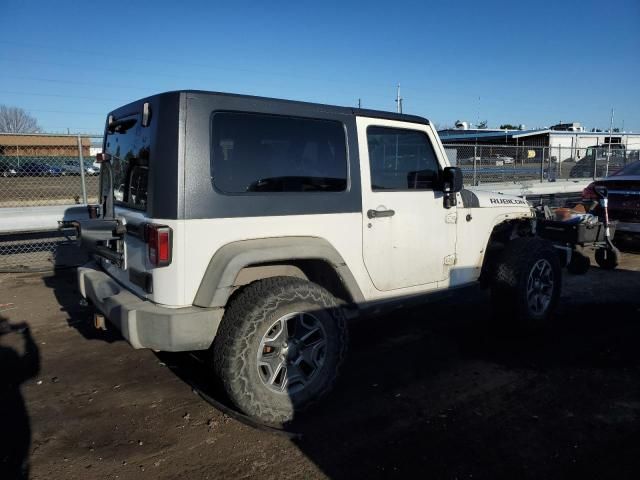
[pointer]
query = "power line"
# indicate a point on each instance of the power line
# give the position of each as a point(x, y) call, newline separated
point(164, 61)
point(73, 82)
point(35, 94)
point(68, 112)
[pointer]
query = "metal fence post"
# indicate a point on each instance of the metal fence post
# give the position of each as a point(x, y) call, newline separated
point(82, 179)
point(475, 156)
point(542, 166)
point(559, 172)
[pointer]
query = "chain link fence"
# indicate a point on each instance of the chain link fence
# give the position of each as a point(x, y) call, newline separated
point(42, 171)
point(37, 170)
point(508, 163)
point(38, 251)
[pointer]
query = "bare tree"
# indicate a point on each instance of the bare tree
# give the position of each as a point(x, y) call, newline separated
point(16, 120)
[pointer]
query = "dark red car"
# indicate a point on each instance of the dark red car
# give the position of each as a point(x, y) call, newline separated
point(624, 198)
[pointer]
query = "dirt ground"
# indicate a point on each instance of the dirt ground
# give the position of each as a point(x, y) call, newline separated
point(430, 392)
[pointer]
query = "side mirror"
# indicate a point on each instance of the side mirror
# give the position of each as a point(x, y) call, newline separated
point(452, 180)
point(451, 184)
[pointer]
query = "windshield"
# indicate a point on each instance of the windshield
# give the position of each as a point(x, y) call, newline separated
point(127, 143)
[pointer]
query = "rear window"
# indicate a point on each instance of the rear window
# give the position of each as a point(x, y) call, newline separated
point(128, 144)
point(273, 153)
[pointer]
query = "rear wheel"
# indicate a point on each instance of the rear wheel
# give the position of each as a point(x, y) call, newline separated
point(279, 347)
point(607, 258)
point(527, 282)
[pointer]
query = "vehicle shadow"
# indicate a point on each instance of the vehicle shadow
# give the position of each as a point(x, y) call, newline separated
point(445, 394)
point(64, 284)
point(441, 391)
point(15, 427)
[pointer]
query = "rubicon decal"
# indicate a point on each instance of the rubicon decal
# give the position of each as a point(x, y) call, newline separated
point(507, 201)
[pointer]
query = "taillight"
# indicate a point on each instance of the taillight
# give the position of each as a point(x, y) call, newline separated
point(589, 193)
point(158, 239)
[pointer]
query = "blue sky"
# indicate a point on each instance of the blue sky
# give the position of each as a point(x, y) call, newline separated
point(69, 62)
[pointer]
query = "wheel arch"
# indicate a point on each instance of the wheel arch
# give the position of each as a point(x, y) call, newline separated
point(242, 262)
point(506, 227)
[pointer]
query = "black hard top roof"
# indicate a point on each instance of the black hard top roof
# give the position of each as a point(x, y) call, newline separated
point(308, 105)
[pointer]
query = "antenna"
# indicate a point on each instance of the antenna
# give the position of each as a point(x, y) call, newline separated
point(398, 100)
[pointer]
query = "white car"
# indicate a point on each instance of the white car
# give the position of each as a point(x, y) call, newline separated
point(72, 167)
point(499, 159)
point(256, 227)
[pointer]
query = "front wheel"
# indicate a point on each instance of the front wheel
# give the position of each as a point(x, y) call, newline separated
point(527, 282)
point(607, 258)
point(279, 347)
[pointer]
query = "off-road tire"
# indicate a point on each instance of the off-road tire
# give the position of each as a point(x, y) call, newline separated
point(509, 286)
point(247, 319)
point(607, 258)
point(579, 263)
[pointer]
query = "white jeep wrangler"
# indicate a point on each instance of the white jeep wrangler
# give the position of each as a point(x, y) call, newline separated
point(254, 227)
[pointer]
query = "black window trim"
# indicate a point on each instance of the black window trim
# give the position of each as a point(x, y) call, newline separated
point(266, 114)
point(404, 190)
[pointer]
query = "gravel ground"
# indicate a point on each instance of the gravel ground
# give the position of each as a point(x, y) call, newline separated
point(430, 391)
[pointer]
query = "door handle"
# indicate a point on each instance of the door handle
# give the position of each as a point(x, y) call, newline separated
point(380, 213)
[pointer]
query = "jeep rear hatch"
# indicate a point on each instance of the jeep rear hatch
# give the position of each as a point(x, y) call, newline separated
point(119, 233)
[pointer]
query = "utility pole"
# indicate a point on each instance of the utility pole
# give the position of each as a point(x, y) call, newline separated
point(606, 174)
point(359, 104)
point(398, 100)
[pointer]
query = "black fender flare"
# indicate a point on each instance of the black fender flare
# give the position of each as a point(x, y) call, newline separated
point(218, 281)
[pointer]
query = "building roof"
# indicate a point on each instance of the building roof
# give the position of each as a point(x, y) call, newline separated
point(40, 140)
point(454, 135)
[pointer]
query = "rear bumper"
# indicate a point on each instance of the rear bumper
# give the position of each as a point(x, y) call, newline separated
point(145, 324)
point(628, 227)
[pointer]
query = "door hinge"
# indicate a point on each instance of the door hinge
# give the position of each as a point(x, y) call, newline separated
point(451, 218)
point(450, 260)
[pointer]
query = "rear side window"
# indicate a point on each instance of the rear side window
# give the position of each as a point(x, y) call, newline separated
point(273, 153)
point(128, 144)
point(401, 159)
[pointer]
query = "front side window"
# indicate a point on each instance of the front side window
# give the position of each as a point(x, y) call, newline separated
point(401, 160)
point(273, 153)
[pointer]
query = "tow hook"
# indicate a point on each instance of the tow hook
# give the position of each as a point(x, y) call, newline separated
point(98, 322)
